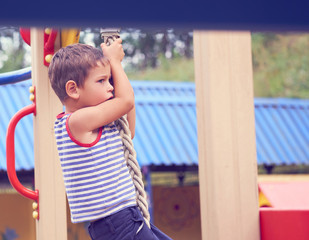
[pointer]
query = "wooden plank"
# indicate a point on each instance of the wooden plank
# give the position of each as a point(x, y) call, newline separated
point(48, 176)
point(226, 135)
point(283, 178)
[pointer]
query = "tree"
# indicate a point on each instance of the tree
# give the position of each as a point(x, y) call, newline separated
point(280, 60)
point(144, 48)
point(13, 50)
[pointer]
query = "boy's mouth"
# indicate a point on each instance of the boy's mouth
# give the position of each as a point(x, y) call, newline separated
point(110, 98)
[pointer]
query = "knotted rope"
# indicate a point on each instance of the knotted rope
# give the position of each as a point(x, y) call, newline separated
point(134, 168)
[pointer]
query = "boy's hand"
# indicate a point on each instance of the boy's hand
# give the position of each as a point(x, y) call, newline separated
point(114, 52)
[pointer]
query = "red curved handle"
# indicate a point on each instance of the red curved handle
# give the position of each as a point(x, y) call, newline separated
point(49, 45)
point(10, 153)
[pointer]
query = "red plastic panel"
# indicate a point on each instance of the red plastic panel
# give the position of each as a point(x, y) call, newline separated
point(279, 224)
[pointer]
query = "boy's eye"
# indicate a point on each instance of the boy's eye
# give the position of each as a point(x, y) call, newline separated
point(101, 80)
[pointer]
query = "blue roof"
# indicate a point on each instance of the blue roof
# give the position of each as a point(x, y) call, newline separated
point(13, 98)
point(282, 131)
point(166, 132)
point(165, 123)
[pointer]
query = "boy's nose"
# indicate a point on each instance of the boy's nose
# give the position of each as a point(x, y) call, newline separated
point(111, 88)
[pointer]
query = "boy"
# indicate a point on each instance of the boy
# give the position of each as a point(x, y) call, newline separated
point(98, 185)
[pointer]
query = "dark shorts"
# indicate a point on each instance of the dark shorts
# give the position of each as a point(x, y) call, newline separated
point(127, 224)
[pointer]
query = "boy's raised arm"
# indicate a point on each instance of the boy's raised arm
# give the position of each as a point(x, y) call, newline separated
point(131, 121)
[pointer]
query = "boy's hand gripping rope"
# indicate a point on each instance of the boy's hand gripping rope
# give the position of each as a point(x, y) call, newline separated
point(108, 36)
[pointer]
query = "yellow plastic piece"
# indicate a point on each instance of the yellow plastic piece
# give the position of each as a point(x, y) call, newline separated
point(35, 214)
point(48, 58)
point(69, 36)
point(31, 97)
point(35, 205)
point(47, 30)
point(263, 201)
point(31, 89)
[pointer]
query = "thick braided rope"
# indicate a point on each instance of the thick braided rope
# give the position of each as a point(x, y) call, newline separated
point(130, 156)
point(134, 168)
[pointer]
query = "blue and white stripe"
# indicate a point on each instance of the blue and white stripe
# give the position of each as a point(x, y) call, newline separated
point(96, 178)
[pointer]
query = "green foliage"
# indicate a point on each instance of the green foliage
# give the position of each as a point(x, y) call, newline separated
point(15, 61)
point(143, 48)
point(281, 65)
point(280, 60)
point(12, 50)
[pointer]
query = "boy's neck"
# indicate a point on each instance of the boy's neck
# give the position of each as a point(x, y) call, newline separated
point(70, 107)
point(69, 110)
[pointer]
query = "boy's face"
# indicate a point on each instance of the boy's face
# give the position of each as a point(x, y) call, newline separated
point(97, 88)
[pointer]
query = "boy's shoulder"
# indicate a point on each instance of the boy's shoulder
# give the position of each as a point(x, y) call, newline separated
point(61, 119)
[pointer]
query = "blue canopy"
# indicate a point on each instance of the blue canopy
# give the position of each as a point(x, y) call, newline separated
point(166, 129)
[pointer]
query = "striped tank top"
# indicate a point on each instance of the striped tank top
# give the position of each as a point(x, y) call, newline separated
point(96, 178)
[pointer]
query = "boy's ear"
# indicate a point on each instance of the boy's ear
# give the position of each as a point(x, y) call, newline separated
point(72, 89)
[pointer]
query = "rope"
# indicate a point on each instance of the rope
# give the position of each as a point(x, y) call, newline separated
point(108, 36)
point(134, 169)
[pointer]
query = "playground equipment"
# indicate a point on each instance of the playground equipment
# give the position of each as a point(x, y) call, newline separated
point(130, 155)
point(226, 135)
point(227, 155)
point(15, 76)
point(287, 213)
point(10, 153)
point(49, 42)
point(50, 204)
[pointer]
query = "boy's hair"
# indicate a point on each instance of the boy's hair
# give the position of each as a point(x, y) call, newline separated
point(73, 63)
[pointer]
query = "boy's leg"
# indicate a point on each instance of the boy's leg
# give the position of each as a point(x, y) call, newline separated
point(127, 224)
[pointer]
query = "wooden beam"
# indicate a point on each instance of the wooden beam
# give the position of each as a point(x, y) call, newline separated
point(226, 135)
point(48, 176)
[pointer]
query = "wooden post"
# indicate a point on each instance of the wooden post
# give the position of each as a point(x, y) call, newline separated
point(226, 135)
point(48, 177)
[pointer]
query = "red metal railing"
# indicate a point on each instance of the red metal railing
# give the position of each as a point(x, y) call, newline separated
point(10, 153)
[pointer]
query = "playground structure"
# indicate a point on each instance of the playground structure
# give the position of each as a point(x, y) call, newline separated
point(231, 132)
point(47, 171)
point(225, 118)
point(52, 209)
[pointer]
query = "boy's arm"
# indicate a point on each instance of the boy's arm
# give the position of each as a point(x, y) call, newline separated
point(86, 120)
point(131, 121)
